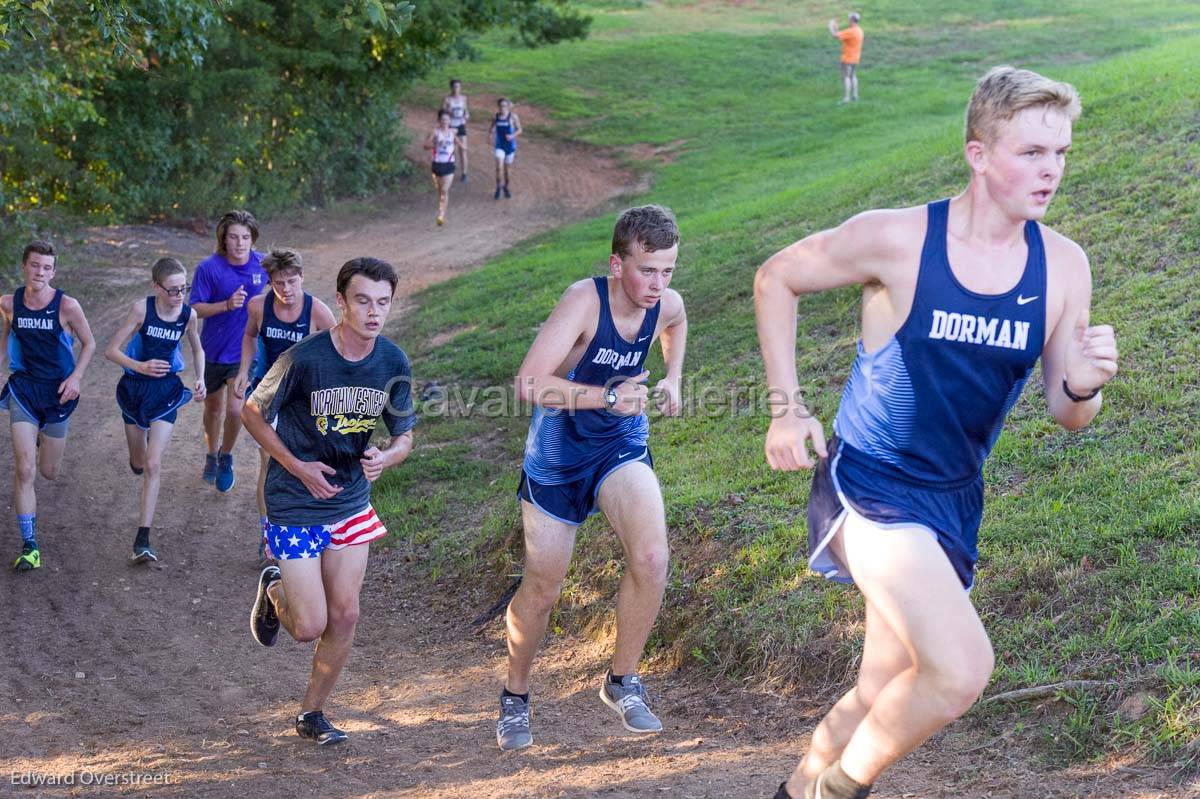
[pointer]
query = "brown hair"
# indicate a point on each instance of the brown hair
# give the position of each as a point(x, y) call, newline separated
point(370, 268)
point(165, 267)
point(651, 226)
point(41, 247)
point(283, 260)
point(235, 218)
point(1005, 91)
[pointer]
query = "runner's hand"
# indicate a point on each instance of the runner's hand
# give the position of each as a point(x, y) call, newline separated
point(312, 474)
point(237, 300)
point(787, 441)
point(666, 395)
point(68, 389)
point(199, 392)
point(631, 395)
point(154, 368)
point(239, 386)
point(373, 463)
point(1091, 359)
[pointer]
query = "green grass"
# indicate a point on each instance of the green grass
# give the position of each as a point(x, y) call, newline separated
point(1089, 544)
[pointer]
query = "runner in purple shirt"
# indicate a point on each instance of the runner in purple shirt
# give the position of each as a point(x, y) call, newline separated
point(224, 282)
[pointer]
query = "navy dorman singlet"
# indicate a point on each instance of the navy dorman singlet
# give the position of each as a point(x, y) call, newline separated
point(563, 446)
point(931, 402)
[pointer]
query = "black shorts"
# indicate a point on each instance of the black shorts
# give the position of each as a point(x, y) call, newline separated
point(462, 131)
point(441, 170)
point(217, 374)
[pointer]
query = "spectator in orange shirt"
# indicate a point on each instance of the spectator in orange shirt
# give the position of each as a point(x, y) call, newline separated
point(852, 41)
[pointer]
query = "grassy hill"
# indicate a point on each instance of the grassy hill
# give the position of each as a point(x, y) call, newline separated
point(1089, 543)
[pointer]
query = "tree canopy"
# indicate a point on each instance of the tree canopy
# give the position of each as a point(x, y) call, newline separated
point(144, 108)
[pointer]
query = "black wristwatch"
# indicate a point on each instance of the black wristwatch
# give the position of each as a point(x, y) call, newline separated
point(1071, 395)
point(610, 397)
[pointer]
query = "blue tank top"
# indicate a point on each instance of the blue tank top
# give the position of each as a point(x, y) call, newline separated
point(504, 127)
point(38, 345)
point(159, 340)
point(931, 402)
point(563, 446)
point(276, 336)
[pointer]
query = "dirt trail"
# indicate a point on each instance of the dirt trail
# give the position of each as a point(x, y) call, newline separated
point(119, 673)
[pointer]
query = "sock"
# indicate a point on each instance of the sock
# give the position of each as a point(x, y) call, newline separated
point(523, 697)
point(615, 679)
point(143, 538)
point(836, 785)
point(27, 523)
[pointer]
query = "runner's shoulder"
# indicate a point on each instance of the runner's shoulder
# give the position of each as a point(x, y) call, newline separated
point(672, 304)
point(885, 232)
point(392, 352)
point(1063, 254)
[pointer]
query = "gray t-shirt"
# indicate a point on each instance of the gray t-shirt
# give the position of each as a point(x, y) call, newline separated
point(326, 408)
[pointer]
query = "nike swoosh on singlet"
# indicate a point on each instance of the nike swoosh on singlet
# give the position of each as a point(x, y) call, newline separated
point(1026, 300)
point(643, 338)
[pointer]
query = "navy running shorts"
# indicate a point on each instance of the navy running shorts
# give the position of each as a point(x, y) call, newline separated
point(144, 401)
point(573, 502)
point(36, 401)
point(849, 481)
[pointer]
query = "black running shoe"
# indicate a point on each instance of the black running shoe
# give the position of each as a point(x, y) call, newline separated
point(314, 726)
point(264, 623)
point(143, 553)
point(507, 193)
point(498, 190)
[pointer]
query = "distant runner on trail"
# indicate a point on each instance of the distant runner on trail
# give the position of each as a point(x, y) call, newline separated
point(150, 393)
point(38, 328)
point(275, 320)
point(852, 42)
point(504, 130)
point(456, 104)
point(224, 282)
point(441, 142)
point(314, 413)
point(587, 451)
point(960, 299)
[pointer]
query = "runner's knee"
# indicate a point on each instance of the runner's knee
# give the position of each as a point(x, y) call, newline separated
point(540, 593)
point(649, 562)
point(153, 465)
point(26, 471)
point(343, 618)
point(960, 681)
point(50, 471)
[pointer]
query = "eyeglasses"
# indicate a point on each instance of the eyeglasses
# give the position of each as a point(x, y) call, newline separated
point(179, 292)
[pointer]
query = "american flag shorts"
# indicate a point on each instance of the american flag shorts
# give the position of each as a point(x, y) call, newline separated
point(307, 541)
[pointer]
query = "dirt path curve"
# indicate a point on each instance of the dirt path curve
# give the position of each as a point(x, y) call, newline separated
point(129, 675)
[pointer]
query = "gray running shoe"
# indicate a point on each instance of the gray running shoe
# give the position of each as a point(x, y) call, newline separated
point(512, 730)
point(629, 701)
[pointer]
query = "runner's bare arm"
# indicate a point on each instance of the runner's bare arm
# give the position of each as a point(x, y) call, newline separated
point(517, 130)
point(375, 460)
point(429, 141)
point(674, 343)
point(858, 251)
point(199, 390)
point(5, 311)
point(1085, 356)
point(310, 473)
point(254, 310)
point(322, 317)
point(207, 309)
point(77, 325)
point(537, 381)
point(115, 351)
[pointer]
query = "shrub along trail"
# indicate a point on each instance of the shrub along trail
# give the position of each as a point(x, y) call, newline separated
point(132, 675)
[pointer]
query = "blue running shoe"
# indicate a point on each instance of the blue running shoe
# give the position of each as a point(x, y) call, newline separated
point(210, 469)
point(225, 479)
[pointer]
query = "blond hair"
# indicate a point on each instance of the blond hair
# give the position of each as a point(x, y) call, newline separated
point(1005, 91)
